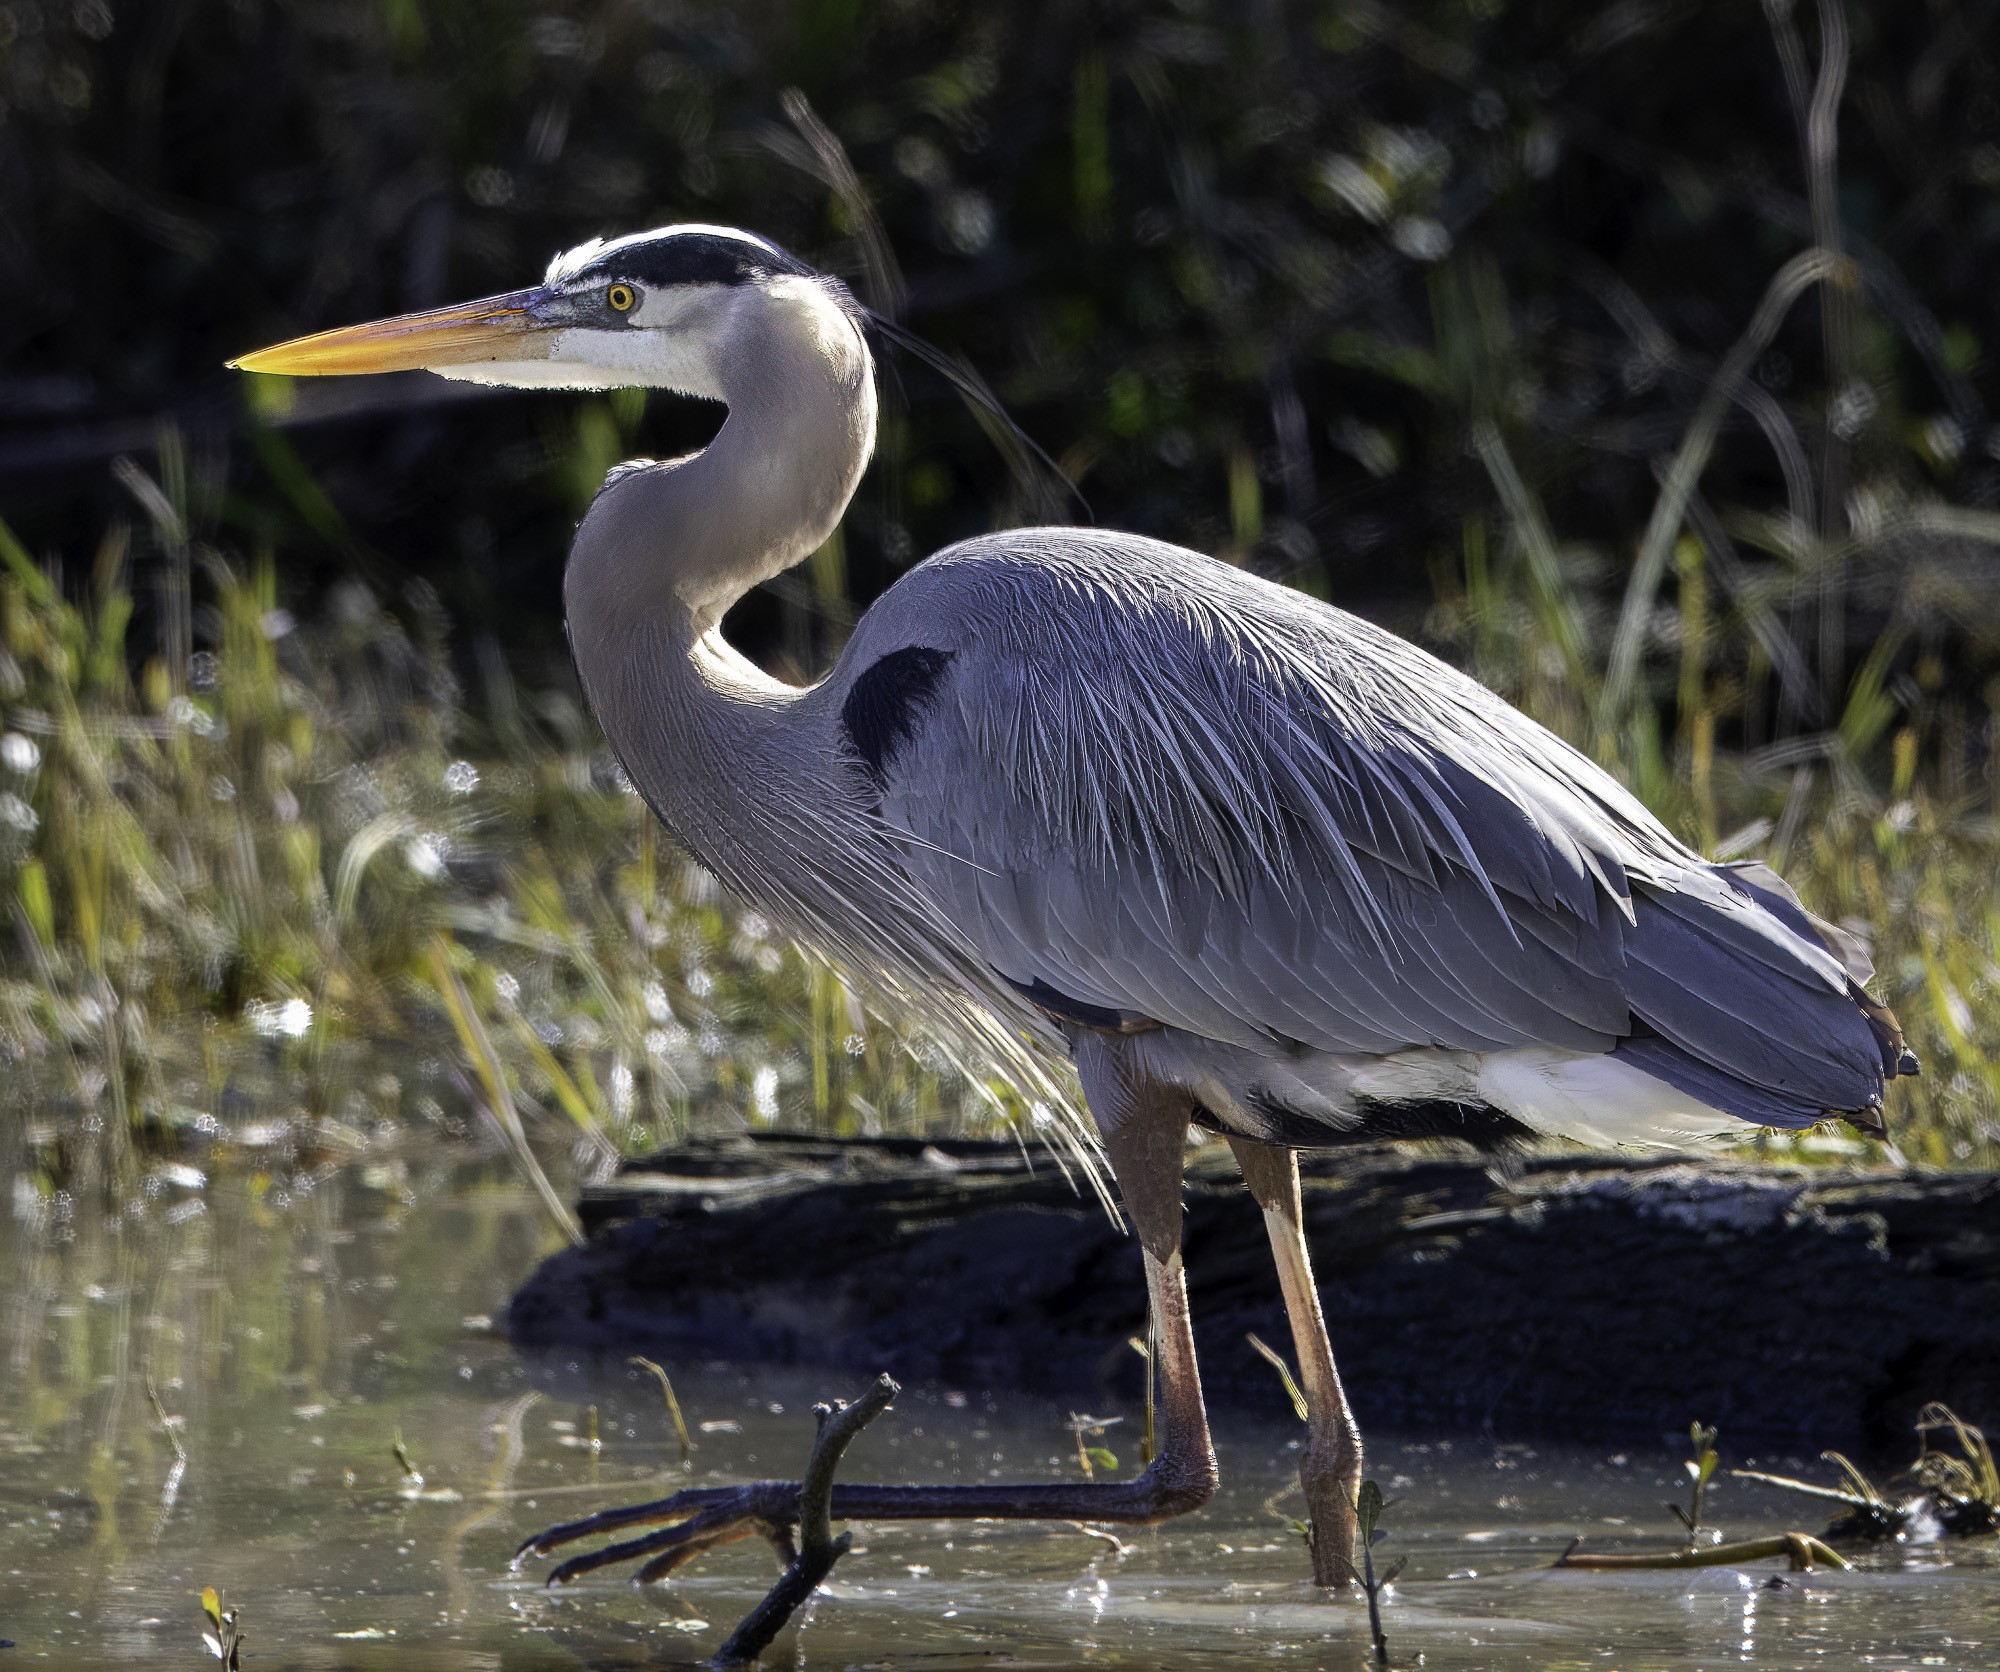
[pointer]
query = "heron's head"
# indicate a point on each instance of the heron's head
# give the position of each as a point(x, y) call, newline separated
point(676, 308)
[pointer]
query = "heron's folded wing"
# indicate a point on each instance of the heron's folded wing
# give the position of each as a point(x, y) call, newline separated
point(1158, 786)
point(1228, 862)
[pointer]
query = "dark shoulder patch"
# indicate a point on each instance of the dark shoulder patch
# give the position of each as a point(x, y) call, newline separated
point(885, 703)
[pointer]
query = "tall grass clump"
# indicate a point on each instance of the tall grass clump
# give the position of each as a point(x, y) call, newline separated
point(1873, 787)
point(289, 890)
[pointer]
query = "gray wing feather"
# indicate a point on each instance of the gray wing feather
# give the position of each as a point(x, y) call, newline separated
point(1159, 785)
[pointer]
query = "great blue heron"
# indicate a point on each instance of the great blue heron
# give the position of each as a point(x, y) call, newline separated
point(1248, 861)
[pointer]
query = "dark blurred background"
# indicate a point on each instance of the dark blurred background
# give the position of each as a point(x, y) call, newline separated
point(1252, 271)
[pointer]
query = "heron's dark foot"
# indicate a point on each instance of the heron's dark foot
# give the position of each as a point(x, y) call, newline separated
point(1145, 1143)
point(690, 1522)
point(701, 1518)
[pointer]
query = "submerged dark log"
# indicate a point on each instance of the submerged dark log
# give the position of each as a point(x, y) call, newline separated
point(1571, 1295)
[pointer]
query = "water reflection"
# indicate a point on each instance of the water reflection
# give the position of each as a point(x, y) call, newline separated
point(214, 1394)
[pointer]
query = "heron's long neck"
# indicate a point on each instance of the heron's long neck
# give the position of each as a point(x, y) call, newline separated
point(746, 771)
point(716, 745)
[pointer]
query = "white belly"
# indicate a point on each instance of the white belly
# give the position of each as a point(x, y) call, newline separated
point(1596, 1099)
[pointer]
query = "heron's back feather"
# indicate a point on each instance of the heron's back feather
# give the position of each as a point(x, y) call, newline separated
point(1161, 787)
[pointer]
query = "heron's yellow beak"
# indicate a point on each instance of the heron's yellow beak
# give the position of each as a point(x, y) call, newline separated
point(493, 328)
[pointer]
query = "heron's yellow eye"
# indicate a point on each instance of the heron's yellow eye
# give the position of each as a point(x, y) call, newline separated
point(622, 297)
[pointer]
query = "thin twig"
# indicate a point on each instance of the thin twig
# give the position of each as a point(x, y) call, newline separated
point(1149, 1440)
point(824, 157)
point(819, 1549)
point(492, 1074)
point(1797, 695)
point(166, 1422)
point(1808, 268)
point(1802, 1550)
point(1374, 1591)
point(1817, 115)
point(170, 1489)
point(1538, 545)
point(673, 1409)
point(1652, 340)
point(1832, 1494)
point(1284, 1371)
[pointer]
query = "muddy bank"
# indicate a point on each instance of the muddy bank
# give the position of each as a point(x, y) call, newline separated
point(1578, 1295)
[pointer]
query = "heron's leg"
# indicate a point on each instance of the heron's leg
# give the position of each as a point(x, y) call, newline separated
point(1330, 1470)
point(1145, 1137)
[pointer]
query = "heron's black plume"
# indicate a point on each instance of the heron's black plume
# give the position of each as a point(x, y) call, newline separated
point(986, 406)
point(816, 150)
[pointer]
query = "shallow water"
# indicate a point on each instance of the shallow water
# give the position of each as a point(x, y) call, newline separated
point(292, 1334)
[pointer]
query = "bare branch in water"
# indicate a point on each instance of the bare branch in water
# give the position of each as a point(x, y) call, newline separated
point(818, 1548)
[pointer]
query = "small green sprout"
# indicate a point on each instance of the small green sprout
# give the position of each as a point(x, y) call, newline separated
point(1802, 1550)
point(1701, 1470)
point(224, 1640)
point(1091, 1458)
point(413, 1477)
